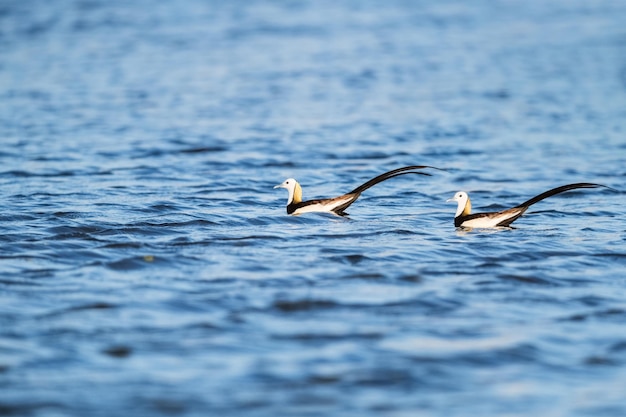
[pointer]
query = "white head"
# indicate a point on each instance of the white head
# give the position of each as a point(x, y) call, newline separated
point(294, 189)
point(464, 205)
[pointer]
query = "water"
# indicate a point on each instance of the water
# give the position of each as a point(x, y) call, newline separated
point(147, 266)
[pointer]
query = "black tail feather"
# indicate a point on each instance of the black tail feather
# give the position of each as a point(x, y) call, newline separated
point(390, 174)
point(559, 190)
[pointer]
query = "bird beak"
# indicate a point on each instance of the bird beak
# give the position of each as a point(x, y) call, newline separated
point(450, 200)
point(278, 186)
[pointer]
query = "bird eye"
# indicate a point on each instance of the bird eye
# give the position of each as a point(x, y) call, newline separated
point(287, 182)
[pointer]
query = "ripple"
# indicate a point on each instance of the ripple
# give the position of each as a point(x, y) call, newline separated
point(352, 259)
point(91, 306)
point(303, 305)
point(616, 313)
point(528, 279)
point(118, 351)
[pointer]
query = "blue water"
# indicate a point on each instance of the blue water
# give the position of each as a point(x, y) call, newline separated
point(148, 267)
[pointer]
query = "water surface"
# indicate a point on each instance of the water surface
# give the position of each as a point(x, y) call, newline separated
point(148, 267)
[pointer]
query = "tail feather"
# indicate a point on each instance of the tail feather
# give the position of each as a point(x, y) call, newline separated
point(559, 190)
point(390, 174)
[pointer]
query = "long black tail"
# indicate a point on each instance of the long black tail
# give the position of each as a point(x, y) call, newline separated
point(559, 190)
point(387, 175)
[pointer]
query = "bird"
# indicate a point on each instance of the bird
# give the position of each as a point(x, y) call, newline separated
point(337, 205)
point(465, 218)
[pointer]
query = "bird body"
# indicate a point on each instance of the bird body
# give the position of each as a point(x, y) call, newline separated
point(504, 218)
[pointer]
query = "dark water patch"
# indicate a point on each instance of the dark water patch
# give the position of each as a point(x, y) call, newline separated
point(6, 154)
point(279, 164)
point(101, 305)
point(163, 207)
point(123, 245)
point(170, 406)
point(405, 232)
point(411, 278)
point(371, 276)
point(19, 282)
point(290, 306)
point(74, 232)
point(611, 313)
point(246, 240)
point(351, 259)
point(28, 408)
point(424, 305)
point(366, 155)
point(185, 241)
point(599, 361)
point(618, 347)
point(612, 256)
point(528, 279)
point(39, 273)
point(143, 230)
point(118, 351)
point(478, 353)
point(29, 174)
point(327, 337)
point(243, 241)
point(490, 264)
point(383, 377)
point(593, 300)
point(277, 30)
point(170, 225)
point(204, 149)
point(522, 353)
point(344, 236)
point(70, 214)
point(529, 256)
point(135, 263)
point(497, 95)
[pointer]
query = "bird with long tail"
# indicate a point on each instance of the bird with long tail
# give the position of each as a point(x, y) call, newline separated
point(465, 218)
point(338, 205)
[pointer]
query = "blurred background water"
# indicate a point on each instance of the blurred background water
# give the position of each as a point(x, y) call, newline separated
point(148, 267)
